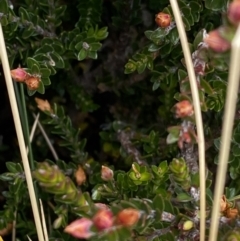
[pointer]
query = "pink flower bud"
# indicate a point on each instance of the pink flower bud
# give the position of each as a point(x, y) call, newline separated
point(106, 173)
point(234, 12)
point(216, 42)
point(183, 109)
point(163, 20)
point(19, 74)
point(128, 217)
point(103, 219)
point(32, 83)
point(80, 228)
point(80, 176)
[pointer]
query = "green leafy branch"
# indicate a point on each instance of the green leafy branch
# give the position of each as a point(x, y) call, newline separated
point(63, 127)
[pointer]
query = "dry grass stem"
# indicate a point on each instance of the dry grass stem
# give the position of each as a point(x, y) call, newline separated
point(197, 110)
point(54, 153)
point(228, 121)
point(22, 146)
point(45, 232)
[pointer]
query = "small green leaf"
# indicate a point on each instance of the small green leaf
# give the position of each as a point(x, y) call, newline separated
point(4, 7)
point(153, 47)
point(146, 176)
point(158, 203)
point(45, 49)
point(95, 46)
point(130, 67)
point(31, 92)
point(141, 66)
point(198, 39)
point(46, 81)
point(11, 166)
point(182, 74)
point(148, 34)
point(35, 69)
point(134, 177)
point(24, 15)
point(173, 36)
point(92, 54)
point(45, 72)
point(4, 20)
point(41, 88)
point(184, 197)
point(7, 177)
point(163, 167)
point(206, 87)
point(236, 150)
point(27, 33)
point(102, 33)
point(216, 5)
point(158, 34)
point(31, 62)
point(186, 24)
point(59, 63)
point(156, 85)
point(171, 138)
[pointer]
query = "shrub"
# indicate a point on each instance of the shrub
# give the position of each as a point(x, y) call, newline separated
point(111, 80)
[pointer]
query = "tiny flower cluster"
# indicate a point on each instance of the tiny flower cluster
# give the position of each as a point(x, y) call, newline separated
point(21, 75)
point(183, 109)
point(103, 220)
point(227, 209)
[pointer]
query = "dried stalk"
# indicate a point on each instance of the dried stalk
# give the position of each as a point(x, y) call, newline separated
point(197, 110)
point(13, 103)
point(229, 114)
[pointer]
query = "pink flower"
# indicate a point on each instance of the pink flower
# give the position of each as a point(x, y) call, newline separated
point(32, 83)
point(183, 109)
point(128, 217)
point(19, 74)
point(103, 219)
point(80, 228)
point(216, 42)
point(234, 12)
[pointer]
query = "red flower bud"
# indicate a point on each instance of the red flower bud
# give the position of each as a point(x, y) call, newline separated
point(32, 83)
point(80, 228)
point(103, 219)
point(234, 12)
point(128, 217)
point(80, 176)
point(19, 74)
point(106, 173)
point(183, 108)
point(216, 42)
point(163, 20)
point(184, 138)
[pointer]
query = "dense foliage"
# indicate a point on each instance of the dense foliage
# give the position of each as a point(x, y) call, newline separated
point(120, 117)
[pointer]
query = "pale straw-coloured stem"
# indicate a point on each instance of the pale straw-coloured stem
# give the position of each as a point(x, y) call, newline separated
point(54, 153)
point(228, 121)
point(29, 238)
point(45, 232)
point(33, 130)
point(16, 118)
point(34, 127)
point(197, 111)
